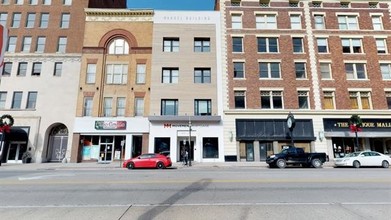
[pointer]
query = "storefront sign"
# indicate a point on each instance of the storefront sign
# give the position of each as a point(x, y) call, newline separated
point(110, 125)
point(169, 125)
point(367, 124)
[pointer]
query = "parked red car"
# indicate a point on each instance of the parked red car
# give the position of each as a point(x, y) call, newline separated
point(149, 160)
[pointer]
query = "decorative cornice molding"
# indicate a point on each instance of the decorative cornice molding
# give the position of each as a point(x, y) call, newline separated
point(42, 58)
point(118, 15)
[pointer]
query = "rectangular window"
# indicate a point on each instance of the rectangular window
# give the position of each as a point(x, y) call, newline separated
point(360, 100)
point(22, 69)
point(33, 2)
point(237, 44)
point(31, 100)
point(3, 19)
point(107, 106)
point(141, 72)
point(3, 99)
point(17, 100)
point(16, 17)
point(381, 46)
point(121, 105)
point(303, 99)
point(57, 69)
point(44, 20)
point(169, 107)
point(240, 99)
point(170, 44)
point(7, 68)
point(47, 2)
point(65, 17)
point(267, 44)
point(87, 110)
point(26, 44)
point(117, 74)
point(37, 67)
point(210, 147)
point(351, 45)
point(201, 44)
point(325, 70)
point(388, 99)
point(355, 71)
point(202, 107)
point(11, 44)
point(30, 20)
point(300, 70)
point(328, 100)
point(271, 99)
point(170, 75)
point(202, 75)
point(385, 69)
point(322, 45)
point(266, 21)
point(236, 21)
point(269, 70)
point(91, 73)
point(239, 70)
point(41, 41)
point(377, 23)
point(297, 45)
point(347, 22)
point(67, 2)
point(62, 44)
point(295, 21)
point(139, 106)
point(319, 22)
point(5, 2)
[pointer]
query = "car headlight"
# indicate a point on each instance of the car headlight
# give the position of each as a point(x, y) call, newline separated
point(272, 156)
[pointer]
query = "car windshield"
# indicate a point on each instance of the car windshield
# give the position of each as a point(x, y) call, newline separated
point(355, 154)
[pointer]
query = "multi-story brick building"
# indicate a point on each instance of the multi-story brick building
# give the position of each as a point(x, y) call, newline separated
point(40, 77)
point(323, 61)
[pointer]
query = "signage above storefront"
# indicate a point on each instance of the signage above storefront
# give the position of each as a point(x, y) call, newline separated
point(110, 125)
point(367, 124)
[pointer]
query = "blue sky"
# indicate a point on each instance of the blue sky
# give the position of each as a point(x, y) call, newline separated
point(172, 4)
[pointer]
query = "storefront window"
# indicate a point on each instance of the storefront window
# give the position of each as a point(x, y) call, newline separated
point(210, 147)
point(343, 146)
point(162, 144)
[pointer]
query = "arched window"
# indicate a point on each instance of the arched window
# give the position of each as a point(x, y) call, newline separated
point(119, 46)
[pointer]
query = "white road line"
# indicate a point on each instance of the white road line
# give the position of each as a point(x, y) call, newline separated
point(48, 176)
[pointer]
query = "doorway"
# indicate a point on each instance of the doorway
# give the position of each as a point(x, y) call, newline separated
point(58, 142)
point(106, 149)
point(15, 152)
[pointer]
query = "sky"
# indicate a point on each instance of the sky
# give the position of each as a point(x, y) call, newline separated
point(172, 4)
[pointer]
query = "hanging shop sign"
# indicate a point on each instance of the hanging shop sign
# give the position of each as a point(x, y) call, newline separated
point(110, 125)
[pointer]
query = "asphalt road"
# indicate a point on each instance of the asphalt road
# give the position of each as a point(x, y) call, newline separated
point(202, 193)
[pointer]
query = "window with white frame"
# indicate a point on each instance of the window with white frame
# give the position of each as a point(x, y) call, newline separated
point(3, 99)
point(62, 44)
point(201, 44)
point(41, 42)
point(236, 21)
point(319, 22)
point(37, 68)
point(44, 20)
point(271, 99)
point(385, 69)
point(348, 22)
point(16, 17)
point(269, 70)
point(388, 99)
point(202, 75)
point(12, 44)
point(170, 75)
point(139, 106)
point(322, 45)
point(266, 21)
point(91, 73)
point(351, 45)
point(202, 107)
point(26, 44)
point(141, 72)
point(22, 69)
point(5, 2)
point(30, 20)
point(377, 22)
point(117, 74)
point(328, 100)
point(119, 46)
point(19, 2)
point(300, 70)
point(240, 99)
point(325, 70)
point(303, 99)
point(121, 105)
point(3, 19)
point(87, 109)
point(297, 45)
point(169, 107)
point(7, 68)
point(65, 18)
point(360, 100)
point(239, 70)
point(295, 21)
point(67, 2)
point(31, 100)
point(267, 44)
point(170, 44)
point(107, 106)
point(47, 2)
point(237, 44)
point(381, 45)
point(17, 100)
point(57, 69)
point(355, 71)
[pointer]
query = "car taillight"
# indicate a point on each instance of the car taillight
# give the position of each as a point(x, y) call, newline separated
point(168, 158)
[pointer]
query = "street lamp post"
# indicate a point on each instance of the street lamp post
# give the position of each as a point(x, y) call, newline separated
point(189, 142)
point(290, 122)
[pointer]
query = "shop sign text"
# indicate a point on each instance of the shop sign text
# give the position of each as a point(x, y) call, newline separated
point(110, 125)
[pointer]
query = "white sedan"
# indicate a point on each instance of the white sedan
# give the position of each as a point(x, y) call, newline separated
point(364, 158)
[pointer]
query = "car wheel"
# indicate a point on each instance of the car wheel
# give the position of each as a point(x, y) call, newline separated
point(356, 164)
point(385, 164)
point(160, 165)
point(316, 163)
point(281, 163)
point(130, 166)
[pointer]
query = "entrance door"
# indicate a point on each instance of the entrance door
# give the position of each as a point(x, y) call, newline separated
point(15, 152)
point(59, 147)
point(249, 152)
point(262, 151)
point(106, 152)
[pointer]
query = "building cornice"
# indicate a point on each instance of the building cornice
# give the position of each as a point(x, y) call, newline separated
point(119, 15)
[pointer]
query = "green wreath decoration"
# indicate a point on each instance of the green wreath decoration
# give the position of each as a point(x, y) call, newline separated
point(5, 118)
point(355, 119)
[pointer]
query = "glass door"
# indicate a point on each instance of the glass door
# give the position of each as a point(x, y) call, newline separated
point(106, 149)
point(250, 151)
point(15, 153)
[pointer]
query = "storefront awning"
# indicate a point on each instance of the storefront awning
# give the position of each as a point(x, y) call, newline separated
point(173, 118)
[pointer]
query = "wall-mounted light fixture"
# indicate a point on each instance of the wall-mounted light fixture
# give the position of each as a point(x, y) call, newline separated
point(321, 136)
point(231, 137)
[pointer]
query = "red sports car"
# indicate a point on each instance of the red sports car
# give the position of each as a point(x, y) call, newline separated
point(148, 161)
